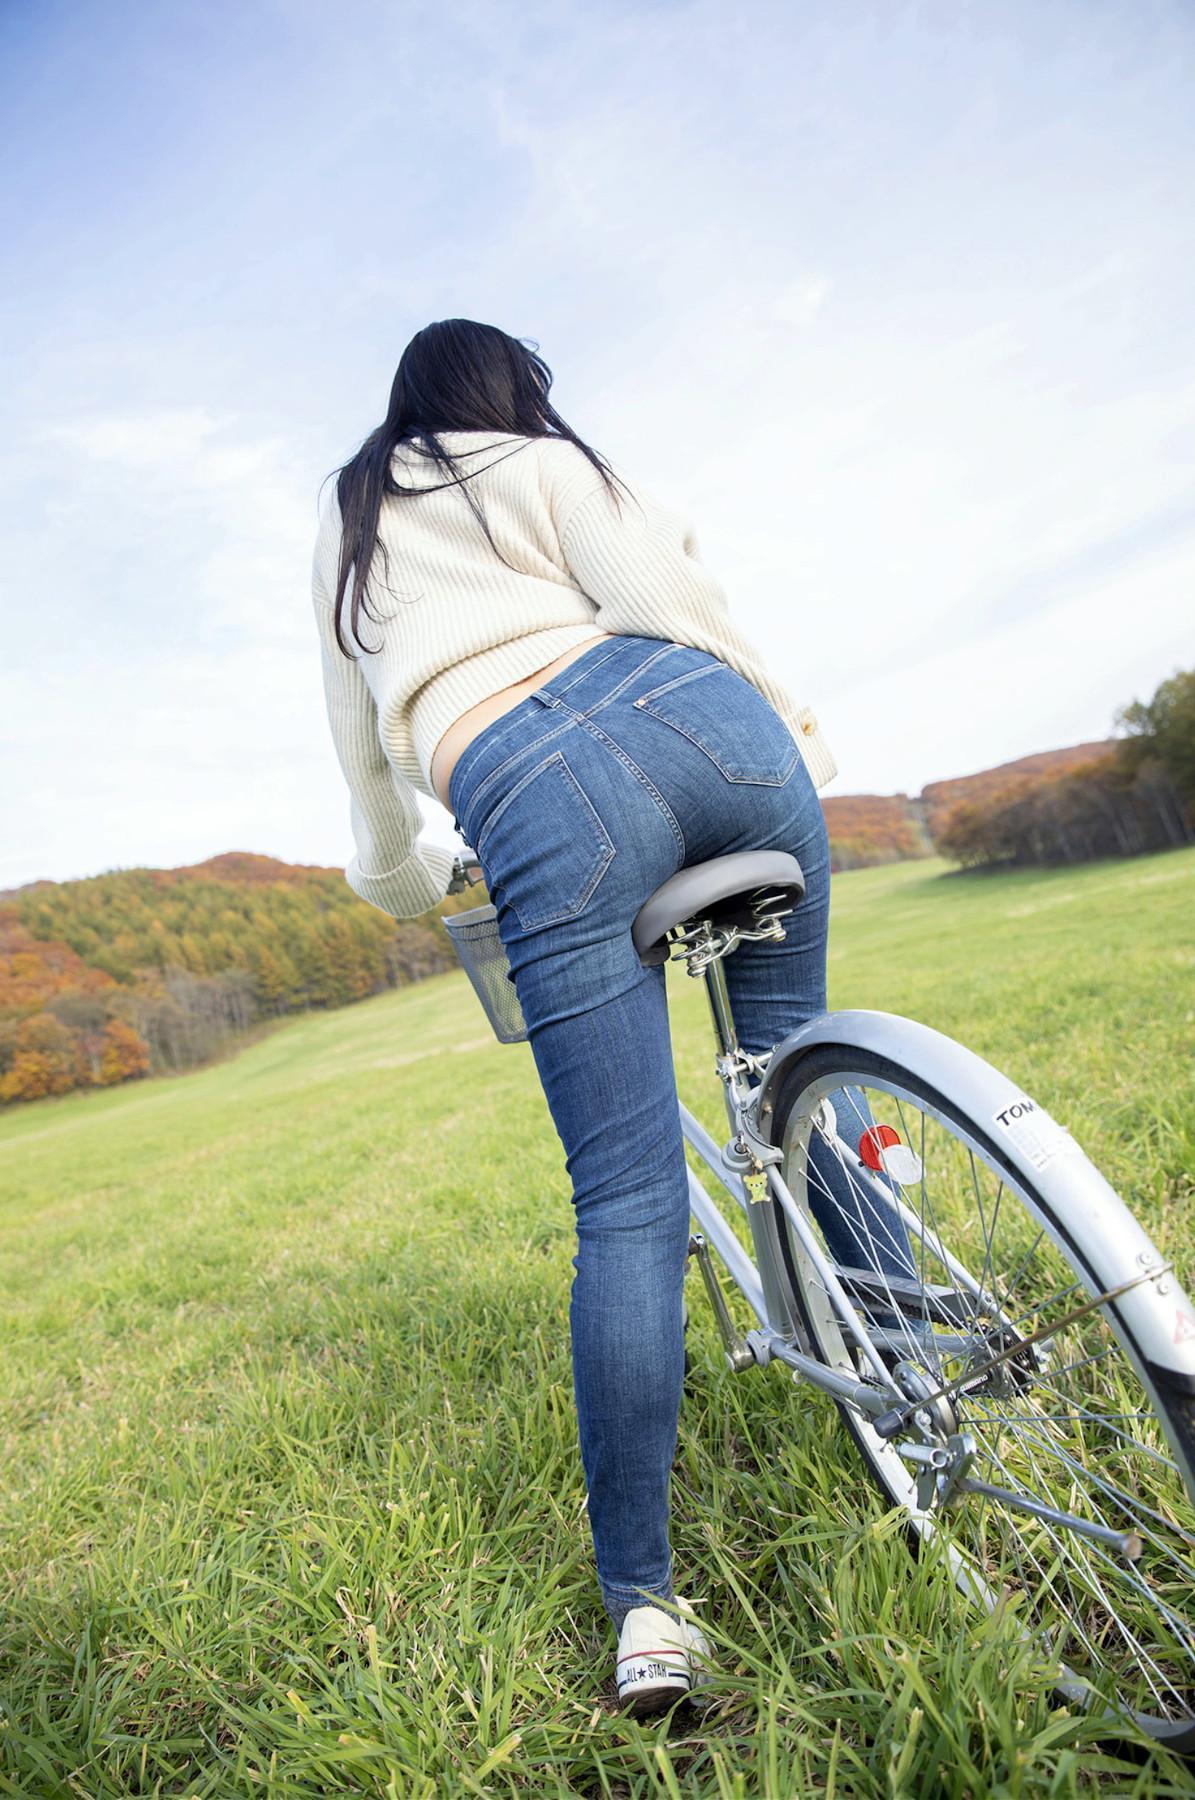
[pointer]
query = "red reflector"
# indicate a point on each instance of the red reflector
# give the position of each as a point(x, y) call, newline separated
point(875, 1140)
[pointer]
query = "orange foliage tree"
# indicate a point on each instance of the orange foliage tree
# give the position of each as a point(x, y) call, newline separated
point(125, 1053)
point(45, 1060)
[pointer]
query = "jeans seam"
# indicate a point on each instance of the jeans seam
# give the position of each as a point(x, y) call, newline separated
point(677, 681)
point(596, 664)
point(573, 911)
point(627, 679)
point(621, 1591)
point(557, 730)
point(548, 699)
point(605, 843)
point(639, 775)
point(740, 780)
point(507, 721)
point(615, 691)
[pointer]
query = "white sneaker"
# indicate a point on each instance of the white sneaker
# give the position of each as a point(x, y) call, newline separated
point(658, 1655)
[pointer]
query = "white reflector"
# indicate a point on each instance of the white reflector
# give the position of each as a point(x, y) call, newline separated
point(903, 1164)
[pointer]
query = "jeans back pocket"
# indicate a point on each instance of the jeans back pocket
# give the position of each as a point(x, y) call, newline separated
point(728, 719)
point(543, 846)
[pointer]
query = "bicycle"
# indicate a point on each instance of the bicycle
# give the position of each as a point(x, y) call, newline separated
point(1026, 1393)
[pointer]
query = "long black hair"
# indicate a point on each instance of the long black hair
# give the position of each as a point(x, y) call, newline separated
point(455, 375)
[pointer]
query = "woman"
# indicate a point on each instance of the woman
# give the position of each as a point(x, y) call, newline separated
point(513, 629)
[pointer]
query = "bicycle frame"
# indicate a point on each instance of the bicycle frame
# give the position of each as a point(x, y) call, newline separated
point(778, 1335)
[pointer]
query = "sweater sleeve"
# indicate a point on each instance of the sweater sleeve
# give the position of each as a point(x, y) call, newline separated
point(641, 569)
point(388, 869)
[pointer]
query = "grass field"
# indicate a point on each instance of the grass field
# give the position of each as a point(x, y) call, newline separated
point(291, 1503)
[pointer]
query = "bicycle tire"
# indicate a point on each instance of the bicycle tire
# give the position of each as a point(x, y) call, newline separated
point(1163, 1704)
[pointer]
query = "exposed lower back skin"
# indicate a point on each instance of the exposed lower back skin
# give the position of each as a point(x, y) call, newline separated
point(462, 732)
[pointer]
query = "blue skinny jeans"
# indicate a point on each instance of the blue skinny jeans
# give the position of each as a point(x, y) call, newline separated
point(640, 757)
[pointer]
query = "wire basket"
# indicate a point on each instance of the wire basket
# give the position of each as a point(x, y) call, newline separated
point(483, 956)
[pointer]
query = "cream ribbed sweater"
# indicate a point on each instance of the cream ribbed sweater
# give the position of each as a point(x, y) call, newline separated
point(458, 625)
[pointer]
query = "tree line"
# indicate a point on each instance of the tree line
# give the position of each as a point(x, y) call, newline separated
point(150, 971)
point(1135, 796)
point(865, 829)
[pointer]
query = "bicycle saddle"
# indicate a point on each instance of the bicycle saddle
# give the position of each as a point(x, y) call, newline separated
point(719, 889)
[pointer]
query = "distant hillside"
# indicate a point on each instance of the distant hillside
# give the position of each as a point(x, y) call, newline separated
point(878, 828)
point(940, 796)
point(874, 828)
point(1125, 798)
point(148, 970)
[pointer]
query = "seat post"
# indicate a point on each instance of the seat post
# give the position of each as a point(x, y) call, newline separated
point(731, 1062)
point(719, 999)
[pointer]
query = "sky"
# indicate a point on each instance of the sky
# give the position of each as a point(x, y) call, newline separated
point(895, 302)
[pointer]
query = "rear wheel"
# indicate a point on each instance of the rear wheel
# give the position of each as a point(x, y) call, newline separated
point(1048, 1398)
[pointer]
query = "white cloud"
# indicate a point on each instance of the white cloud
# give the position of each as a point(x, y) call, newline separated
point(801, 300)
point(174, 438)
point(1028, 684)
point(247, 506)
point(908, 339)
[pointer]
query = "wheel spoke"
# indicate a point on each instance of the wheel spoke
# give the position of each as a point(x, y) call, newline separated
point(1133, 1508)
point(1103, 1419)
point(1011, 1287)
point(1068, 1554)
point(868, 1248)
point(1079, 1435)
point(990, 1234)
point(1125, 1573)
